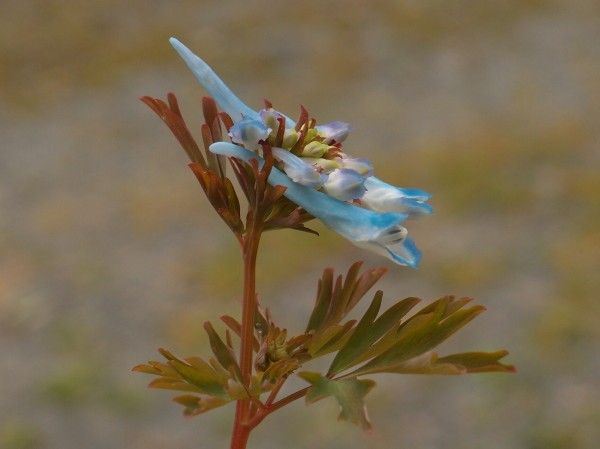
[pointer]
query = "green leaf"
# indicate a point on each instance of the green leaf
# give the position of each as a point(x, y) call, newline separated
point(467, 362)
point(427, 363)
point(222, 352)
point(195, 405)
point(359, 341)
point(479, 362)
point(349, 393)
point(422, 332)
point(324, 292)
point(280, 369)
point(167, 383)
point(385, 328)
point(371, 337)
point(353, 290)
point(236, 327)
point(363, 285)
point(198, 373)
point(322, 343)
point(335, 300)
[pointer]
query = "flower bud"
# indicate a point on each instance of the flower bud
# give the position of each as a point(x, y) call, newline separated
point(315, 149)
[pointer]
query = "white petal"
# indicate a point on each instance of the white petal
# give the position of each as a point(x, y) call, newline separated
point(298, 170)
point(344, 184)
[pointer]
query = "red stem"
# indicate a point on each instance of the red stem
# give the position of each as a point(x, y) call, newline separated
point(257, 419)
point(241, 430)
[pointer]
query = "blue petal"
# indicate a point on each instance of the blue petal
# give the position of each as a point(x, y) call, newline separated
point(384, 197)
point(216, 88)
point(344, 184)
point(405, 253)
point(334, 131)
point(248, 132)
point(363, 227)
point(225, 98)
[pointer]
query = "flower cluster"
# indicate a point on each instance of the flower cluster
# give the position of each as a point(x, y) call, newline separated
point(318, 175)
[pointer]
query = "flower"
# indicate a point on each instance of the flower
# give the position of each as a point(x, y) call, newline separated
point(345, 184)
point(297, 170)
point(338, 189)
point(249, 132)
point(334, 131)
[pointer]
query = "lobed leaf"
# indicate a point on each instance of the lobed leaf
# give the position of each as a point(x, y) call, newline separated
point(421, 333)
point(349, 393)
point(359, 341)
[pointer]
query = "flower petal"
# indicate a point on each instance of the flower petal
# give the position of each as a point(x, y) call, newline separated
point(360, 165)
point(344, 184)
point(248, 132)
point(217, 89)
point(334, 131)
point(403, 252)
point(383, 197)
point(298, 170)
point(365, 228)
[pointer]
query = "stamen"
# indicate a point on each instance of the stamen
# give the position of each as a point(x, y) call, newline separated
point(303, 118)
point(280, 132)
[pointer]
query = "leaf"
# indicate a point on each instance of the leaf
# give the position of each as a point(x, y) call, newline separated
point(372, 337)
point(387, 325)
point(146, 369)
point(349, 393)
point(322, 342)
point(479, 362)
point(236, 327)
point(280, 369)
point(167, 383)
point(324, 292)
point(222, 352)
point(335, 300)
point(195, 405)
point(463, 363)
point(198, 373)
point(427, 363)
point(359, 341)
point(421, 333)
point(363, 285)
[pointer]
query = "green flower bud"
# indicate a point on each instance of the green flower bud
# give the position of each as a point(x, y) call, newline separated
point(315, 149)
point(311, 135)
point(290, 137)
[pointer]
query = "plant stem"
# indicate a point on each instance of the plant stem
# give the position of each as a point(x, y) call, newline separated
point(262, 414)
point(241, 430)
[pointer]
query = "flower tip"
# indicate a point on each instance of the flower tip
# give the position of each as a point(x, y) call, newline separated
point(406, 253)
point(186, 54)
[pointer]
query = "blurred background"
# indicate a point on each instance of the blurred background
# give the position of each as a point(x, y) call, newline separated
point(108, 248)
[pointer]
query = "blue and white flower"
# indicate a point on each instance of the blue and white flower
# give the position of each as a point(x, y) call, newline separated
point(338, 189)
point(249, 132)
point(344, 184)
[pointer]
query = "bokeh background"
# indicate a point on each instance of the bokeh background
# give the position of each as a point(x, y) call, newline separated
point(108, 249)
